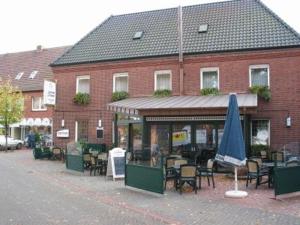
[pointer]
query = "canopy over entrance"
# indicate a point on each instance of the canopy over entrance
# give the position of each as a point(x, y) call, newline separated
point(135, 105)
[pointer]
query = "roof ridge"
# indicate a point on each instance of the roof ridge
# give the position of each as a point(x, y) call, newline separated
point(156, 10)
point(272, 13)
point(28, 51)
point(89, 33)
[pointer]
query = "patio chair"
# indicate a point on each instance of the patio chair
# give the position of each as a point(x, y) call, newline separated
point(102, 161)
point(207, 171)
point(293, 163)
point(264, 155)
point(187, 175)
point(254, 172)
point(277, 156)
point(86, 160)
point(56, 154)
point(178, 162)
point(170, 173)
point(260, 163)
point(95, 166)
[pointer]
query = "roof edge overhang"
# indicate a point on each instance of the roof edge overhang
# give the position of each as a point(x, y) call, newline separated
point(169, 55)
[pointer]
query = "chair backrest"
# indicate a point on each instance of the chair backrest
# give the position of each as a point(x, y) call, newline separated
point(252, 166)
point(263, 154)
point(187, 170)
point(179, 162)
point(86, 157)
point(293, 163)
point(258, 160)
point(102, 156)
point(56, 151)
point(93, 161)
point(277, 156)
point(210, 164)
point(170, 162)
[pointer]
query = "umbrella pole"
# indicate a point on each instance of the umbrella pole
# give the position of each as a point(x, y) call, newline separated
point(235, 179)
point(236, 193)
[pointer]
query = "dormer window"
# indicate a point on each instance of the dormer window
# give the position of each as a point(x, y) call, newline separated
point(138, 35)
point(203, 28)
point(33, 74)
point(19, 75)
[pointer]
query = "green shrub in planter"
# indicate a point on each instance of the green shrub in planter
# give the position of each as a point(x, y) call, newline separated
point(82, 99)
point(256, 149)
point(119, 95)
point(262, 91)
point(209, 91)
point(162, 93)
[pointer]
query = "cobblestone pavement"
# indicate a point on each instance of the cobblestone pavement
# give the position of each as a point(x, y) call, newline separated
point(38, 192)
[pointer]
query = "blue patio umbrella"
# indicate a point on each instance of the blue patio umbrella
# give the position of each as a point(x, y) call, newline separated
point(232, 147)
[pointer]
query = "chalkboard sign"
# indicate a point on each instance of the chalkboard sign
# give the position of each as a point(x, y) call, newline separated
point(119, 163)
point(116, 163)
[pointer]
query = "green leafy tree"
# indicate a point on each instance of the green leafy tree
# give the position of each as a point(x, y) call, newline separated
point(11, 106)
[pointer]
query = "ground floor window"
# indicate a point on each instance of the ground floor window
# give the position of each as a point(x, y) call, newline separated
point(137, 136)
point(82, 130)
point(260, 132)
point(181, 137)
point(123, 136)
point(159, 136)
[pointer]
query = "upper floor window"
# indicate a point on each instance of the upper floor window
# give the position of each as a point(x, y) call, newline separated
point(19, 75)
point(163, 80)
point(83, 84)
point(38, 104)
point(209, 78)
point(259, 75)
point(120, 82)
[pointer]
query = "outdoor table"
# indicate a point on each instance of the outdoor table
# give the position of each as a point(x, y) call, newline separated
point(270, 166)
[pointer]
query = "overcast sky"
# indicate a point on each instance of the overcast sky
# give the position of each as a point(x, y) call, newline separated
point(25, 24)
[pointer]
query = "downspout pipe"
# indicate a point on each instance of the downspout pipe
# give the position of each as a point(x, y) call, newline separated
point(180, 51)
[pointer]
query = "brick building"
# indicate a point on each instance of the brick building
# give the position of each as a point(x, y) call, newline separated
point(220, 47)
point(28, 70)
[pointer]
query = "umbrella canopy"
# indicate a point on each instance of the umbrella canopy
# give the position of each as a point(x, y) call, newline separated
point(232, 147)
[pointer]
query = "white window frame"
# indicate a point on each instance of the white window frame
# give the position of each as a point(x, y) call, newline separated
point(76, 129)
point(162, 72)
point(209, 69)
point(119, 75)
point(41, 101)
point(261, 66)
point(85, 77)
point(269, 129)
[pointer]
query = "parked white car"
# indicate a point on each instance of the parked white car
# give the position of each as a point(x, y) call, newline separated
point(11, 143)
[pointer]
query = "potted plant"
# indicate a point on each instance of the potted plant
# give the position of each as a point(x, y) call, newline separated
point(82, 98)
point(119, 95)
point(261, 91)
point(209, 91)
point(162, 93)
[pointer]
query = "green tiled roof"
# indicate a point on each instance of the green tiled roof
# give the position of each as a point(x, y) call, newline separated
point(232, 25)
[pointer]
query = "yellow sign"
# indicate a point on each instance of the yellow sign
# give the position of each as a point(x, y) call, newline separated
point(179, 138)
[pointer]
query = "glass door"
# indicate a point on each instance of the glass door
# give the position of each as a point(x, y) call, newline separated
point(205, 136)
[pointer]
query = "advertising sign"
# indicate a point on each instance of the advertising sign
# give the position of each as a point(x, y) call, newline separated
point(49, 92)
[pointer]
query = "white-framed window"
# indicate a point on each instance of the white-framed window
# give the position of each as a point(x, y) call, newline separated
point(38, 104)
point(81, 130)
point(260, 132)
point(259, 75)
point(163, 80)
point(209, 77)
point(120, 82)
point(83, 84)
point(19, 75)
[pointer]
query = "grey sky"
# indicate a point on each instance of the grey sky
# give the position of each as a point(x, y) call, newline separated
point(51, 23)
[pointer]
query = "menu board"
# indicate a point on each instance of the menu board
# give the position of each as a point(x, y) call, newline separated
point(116, 163)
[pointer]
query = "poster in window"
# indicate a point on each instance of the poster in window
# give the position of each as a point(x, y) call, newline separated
point(201, 136)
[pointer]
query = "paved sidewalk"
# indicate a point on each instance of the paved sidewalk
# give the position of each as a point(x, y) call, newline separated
point(44, 192)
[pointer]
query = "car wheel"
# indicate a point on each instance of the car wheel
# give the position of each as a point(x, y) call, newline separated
point(19, 146)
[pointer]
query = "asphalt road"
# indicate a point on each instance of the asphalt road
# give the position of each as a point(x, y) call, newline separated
point(38, 192)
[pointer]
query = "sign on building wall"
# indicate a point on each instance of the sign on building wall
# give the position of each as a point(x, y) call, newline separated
point(63, 133)
point(49, 92)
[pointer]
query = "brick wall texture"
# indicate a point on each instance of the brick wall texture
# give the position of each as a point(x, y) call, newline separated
point(284, 67)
